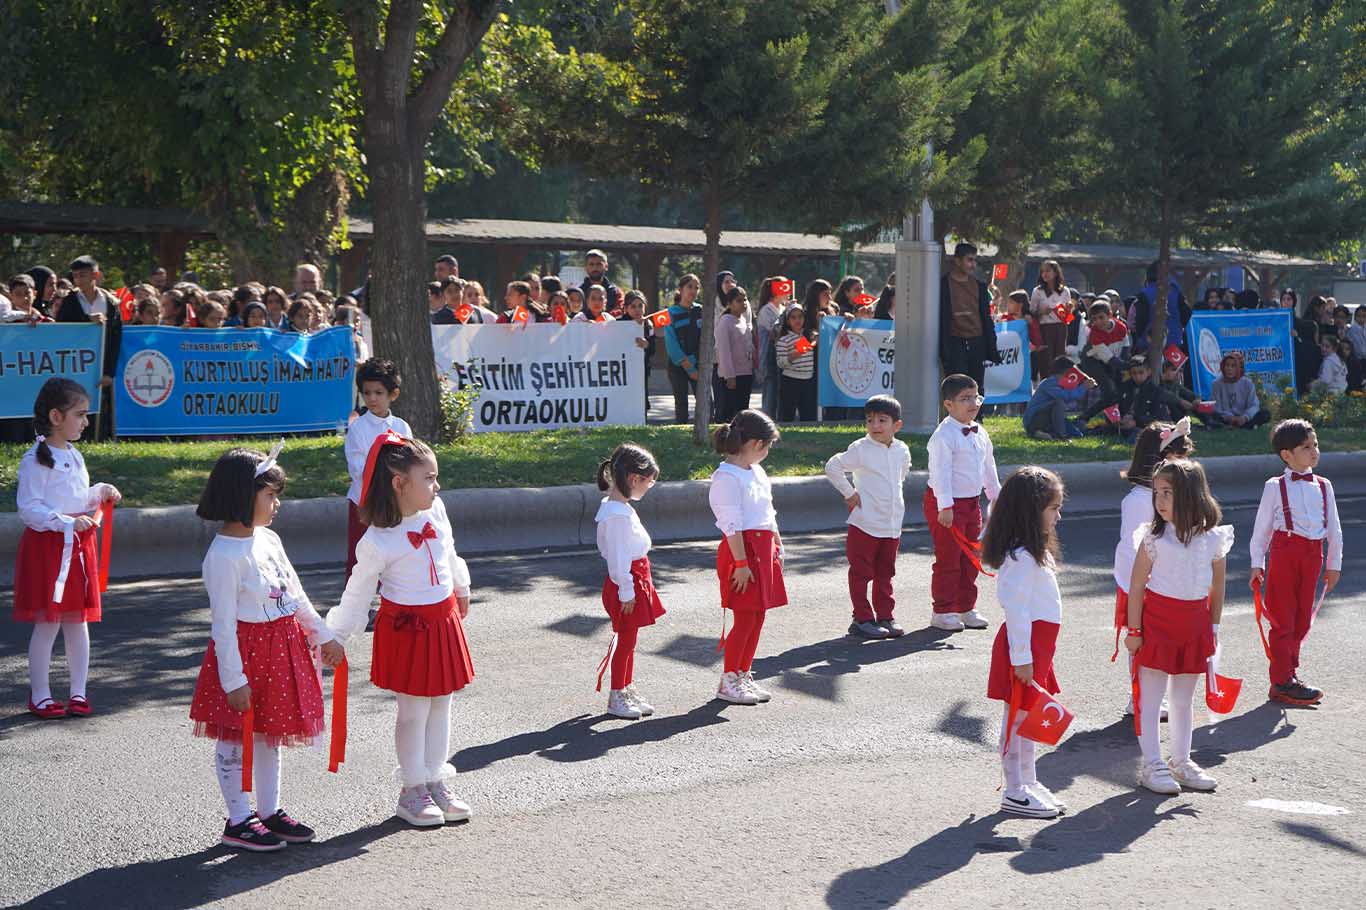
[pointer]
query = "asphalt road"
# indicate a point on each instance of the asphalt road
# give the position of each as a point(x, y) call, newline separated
point(869, 781)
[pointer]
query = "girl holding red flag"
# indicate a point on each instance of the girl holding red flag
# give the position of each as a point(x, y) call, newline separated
point(258, 688)
point(1021, 541)
point(1176, 596)
point(420, 652)
point(749, 560)
point(56, 575)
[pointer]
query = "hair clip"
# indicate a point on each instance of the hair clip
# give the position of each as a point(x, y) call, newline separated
point(269, 463)
point(41, 438)
point(1182, 428)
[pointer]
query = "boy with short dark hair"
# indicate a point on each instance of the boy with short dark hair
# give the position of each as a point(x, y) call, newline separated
point(1045, 416)
point(1141, 399)
point(1297, 514)
point(962, 464)
point(379, 384)
point(879, 463)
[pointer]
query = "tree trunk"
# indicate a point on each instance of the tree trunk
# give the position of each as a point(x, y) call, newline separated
point(1157, 328)
point(706, 352)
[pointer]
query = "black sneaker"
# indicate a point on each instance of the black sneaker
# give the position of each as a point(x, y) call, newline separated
point(1296, 693)
point(892, 628)
point(287, 829)
point(252, 835)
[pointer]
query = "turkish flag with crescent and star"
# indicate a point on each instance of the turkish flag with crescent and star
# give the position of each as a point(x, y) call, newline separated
point(1221, 692)
point(1047, 720)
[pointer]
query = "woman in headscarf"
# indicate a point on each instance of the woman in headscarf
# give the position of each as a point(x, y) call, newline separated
point(44, 288)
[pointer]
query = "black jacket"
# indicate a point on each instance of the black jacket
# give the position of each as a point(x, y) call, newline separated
point(946, 321)
point(71, 311)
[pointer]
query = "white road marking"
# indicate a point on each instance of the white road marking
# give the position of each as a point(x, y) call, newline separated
point(1298, 807)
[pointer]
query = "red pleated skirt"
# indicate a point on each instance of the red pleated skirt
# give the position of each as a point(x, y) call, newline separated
point(1043, 641)
point(286, 694)
point(35, 572)
point(648, 607)
point(420, 650)
point(766, 590)
point(1177, 637)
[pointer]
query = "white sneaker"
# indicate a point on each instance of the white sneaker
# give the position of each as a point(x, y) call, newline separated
point(1157, 777)
point(1161, 714)
point(974, 620)
point(643, 706)
point(453, 809)
point(949, 622)
point(1046, 795)
point(747, 680)
point(416, 807)
point(1023, 802)
point(734, 691)
point(618, 705)
point(1191, 776)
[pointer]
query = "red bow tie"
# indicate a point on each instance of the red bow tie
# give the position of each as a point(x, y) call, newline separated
point(428, 533)
point(972, 429)
point(1309, 477)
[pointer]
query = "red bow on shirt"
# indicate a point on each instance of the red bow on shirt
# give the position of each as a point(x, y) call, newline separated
point(1309, 477)
point(417, 539)
point(972, 429)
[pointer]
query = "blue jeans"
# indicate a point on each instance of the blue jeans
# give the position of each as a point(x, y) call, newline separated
point(1051, 418)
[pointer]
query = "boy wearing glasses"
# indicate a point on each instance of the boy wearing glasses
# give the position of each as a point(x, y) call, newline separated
point(961, 466)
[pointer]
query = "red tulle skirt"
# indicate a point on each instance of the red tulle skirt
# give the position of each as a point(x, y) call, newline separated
point(286, 695)
point(1043, 641)
point(648, 607)
point(36, 570)
point(1177, 636)
point(420, 650)
point(765, 590)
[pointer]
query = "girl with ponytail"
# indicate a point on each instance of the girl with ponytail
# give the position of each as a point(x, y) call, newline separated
point(628, 592)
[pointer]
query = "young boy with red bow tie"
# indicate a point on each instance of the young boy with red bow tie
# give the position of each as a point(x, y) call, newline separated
point(961, 466)
point(1298, 512)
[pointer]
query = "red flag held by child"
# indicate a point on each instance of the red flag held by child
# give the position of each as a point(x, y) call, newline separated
point(1112, 413)
point(660, 319)
point(865, 299)
point(801, 345)
point(1065, 316)
point(1001, 271)
point(1071, 379)
point(1204, 407)
point(782, 287)
point(521, 315)
point(463, 313)
point(1221, 692)
point(1175, 356)
point(1047, 720)
point(561, 314)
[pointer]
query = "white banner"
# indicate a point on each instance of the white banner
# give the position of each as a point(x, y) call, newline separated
point(542, 376)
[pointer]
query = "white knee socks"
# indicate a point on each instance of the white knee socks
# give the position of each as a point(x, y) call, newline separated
point(1180, 712)
point(1018, 759)
point(422, 735)
point(76, 641)
point(265, 766)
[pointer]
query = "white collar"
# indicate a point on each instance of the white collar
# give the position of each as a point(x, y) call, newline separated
point(736, 469)
point(610, 508)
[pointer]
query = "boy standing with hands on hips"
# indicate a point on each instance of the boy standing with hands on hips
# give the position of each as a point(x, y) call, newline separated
point(961, 466)
point(879, 463)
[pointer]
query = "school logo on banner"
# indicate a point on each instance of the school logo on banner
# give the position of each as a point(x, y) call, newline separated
point(854, 363)
point(1263, 337)
point(149, 378)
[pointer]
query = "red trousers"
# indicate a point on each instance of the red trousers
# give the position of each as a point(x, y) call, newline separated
point(871, 559)
point(624, 657)
point(355, 530)
point(743, 639)
point(1292, 573)
point(953, 580)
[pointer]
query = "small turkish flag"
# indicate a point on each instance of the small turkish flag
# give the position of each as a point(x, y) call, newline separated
point(1047, 719)
point(1064, 315)
point(1112, 413)
point(1175, 356)
point(660, 319)
point(865, 299)
point(781, 287)
point(1071, 379)
point(1001, 271)
point(1204, 407)
point(1221, 692)
point(561, 314)
point(463, 312)
point(521, 314)
point(801, 346)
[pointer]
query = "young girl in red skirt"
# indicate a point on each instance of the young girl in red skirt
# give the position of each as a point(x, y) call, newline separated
point(56, 575)
point(1021, 542)
point(420, 651)
point(1176, 596)
point(258, 671)
point(749, 560)
point(628, 592)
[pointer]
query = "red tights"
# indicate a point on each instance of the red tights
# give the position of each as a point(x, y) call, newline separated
point(743, 640)
point(624, 657)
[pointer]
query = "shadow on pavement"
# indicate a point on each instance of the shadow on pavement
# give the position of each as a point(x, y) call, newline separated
point(847, 654)
point(1317, 834)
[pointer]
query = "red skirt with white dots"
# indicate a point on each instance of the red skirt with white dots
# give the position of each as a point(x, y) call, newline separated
point(286, 695)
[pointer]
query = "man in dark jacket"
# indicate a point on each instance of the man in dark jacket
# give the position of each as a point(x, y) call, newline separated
point(967, 336)
point(1176, 311)
point(91, 303)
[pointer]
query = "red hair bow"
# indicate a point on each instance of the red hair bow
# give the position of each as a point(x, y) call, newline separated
point(387, 438)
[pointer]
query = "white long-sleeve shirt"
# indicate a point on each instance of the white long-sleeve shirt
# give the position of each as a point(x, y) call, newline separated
point(362, 433)
point(622, 540)
point(879, 472)
point(1333, 374)
point(961, 464)
point(1027, 592)
point(1184, 571)
point(742, 499)
point(49, 498)
point(1306, 513)
point(1135, 510)
point(387, 555)
point(250, 579)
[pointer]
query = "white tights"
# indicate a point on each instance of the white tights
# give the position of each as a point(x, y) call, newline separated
point(265, 766)
point(422, 738)
point(1018, 759)
point(1152, 685)
point(76, 642)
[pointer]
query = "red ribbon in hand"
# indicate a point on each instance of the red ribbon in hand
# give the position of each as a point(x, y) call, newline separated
point(106, 541)
point(972, 550)
point(337, 752)
point(248, 741)
point(1258, 610)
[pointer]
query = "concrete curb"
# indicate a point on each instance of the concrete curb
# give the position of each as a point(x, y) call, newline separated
point(172, 540)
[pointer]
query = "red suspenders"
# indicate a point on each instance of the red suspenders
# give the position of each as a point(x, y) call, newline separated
point(1285, 504)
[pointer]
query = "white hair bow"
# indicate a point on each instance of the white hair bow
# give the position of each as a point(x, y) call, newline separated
point(1182, 428)
point(275, 451)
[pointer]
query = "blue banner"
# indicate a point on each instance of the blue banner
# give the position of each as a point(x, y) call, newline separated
point(1263, 337)
point(31, 354)
point(857, 361)
point(193, 382)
